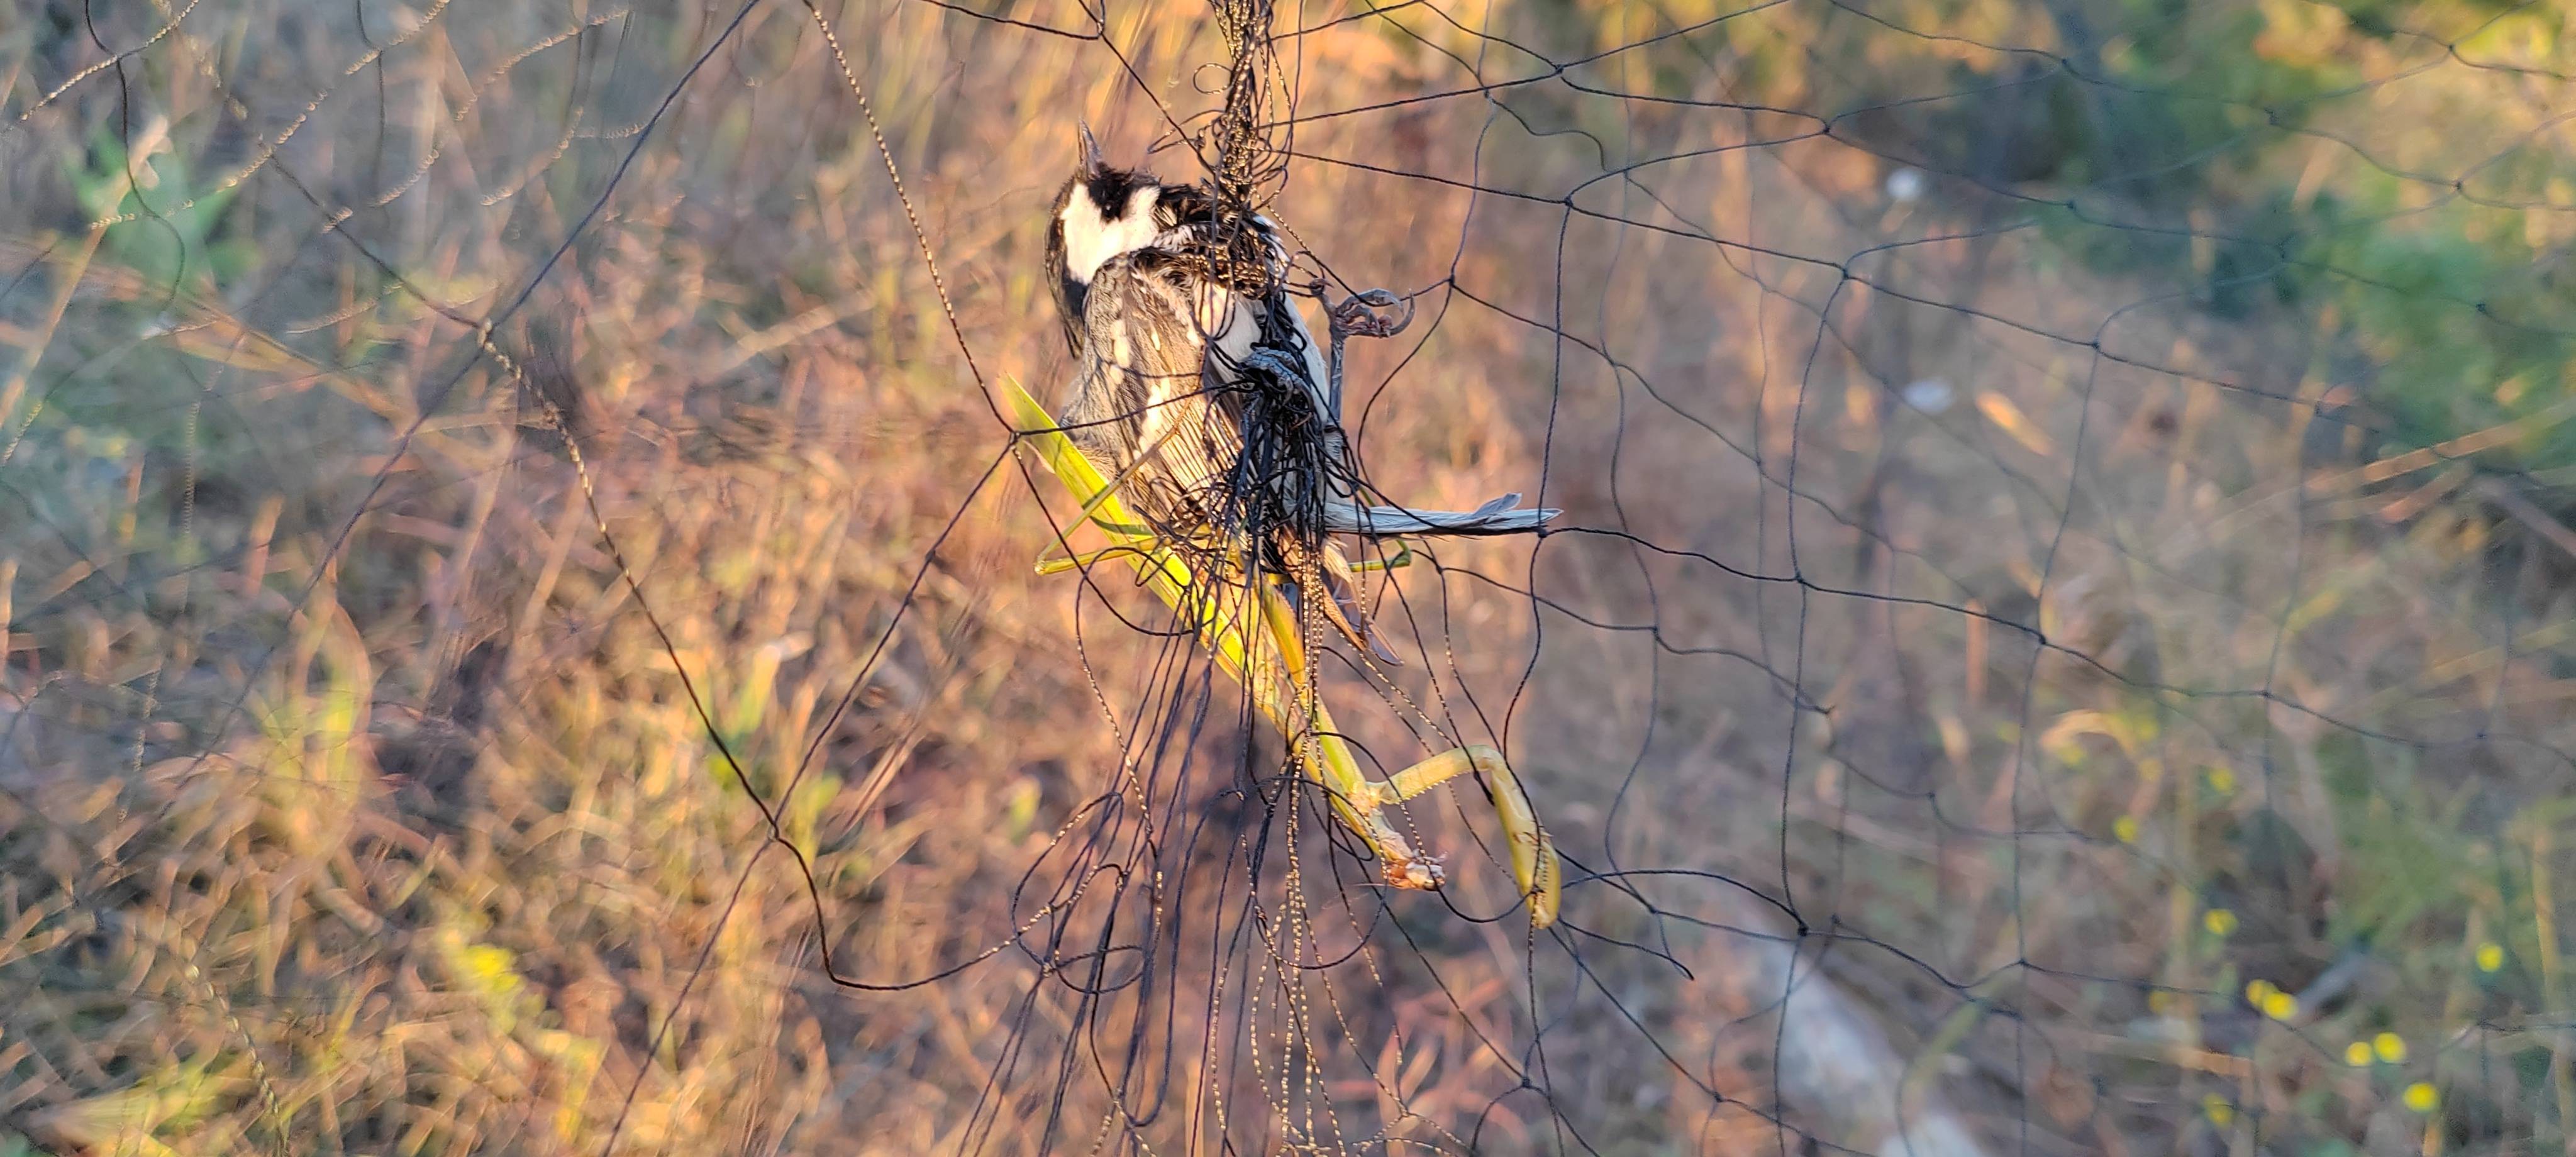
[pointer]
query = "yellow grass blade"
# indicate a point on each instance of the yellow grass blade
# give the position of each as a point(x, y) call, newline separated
point(1357, 800)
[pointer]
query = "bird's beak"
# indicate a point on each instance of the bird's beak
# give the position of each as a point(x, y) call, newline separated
point(1091, 161)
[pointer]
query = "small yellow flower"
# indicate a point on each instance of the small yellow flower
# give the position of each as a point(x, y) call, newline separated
point(2219, 921)
point(2220, 1112)
point(2490, 956)
point(2280, 1005)
point(2422, 1098)
point(2257, 990)
point(2126, 829)
point(2222, 781)
point(2390, 1047)
point(2160, 1002)
point(2357, 1054)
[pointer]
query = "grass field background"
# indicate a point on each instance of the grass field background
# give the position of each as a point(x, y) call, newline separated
point(2093, 492)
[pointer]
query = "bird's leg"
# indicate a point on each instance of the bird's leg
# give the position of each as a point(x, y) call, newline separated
point(1357, 315)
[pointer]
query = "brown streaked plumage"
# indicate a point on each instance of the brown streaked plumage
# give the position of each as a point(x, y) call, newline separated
point(1203, 394)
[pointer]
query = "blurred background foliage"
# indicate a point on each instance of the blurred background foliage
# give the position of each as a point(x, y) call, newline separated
point(353, 803)
point(2254, 139)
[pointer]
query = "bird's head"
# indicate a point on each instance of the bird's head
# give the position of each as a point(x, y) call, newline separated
point(1101, 212)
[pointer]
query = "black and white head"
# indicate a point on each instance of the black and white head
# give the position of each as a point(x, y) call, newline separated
point(1101, 212)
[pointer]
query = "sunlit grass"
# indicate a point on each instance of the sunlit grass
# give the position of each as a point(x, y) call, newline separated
point(400, 833)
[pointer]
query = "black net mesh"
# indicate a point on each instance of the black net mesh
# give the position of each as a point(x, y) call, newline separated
point(519, 634)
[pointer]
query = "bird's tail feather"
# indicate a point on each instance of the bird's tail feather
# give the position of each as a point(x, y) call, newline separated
point(1500, 516)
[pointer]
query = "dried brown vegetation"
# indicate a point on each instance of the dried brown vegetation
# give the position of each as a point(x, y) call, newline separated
point(2106, 657)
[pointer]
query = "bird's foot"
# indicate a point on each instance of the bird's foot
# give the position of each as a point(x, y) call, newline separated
point(1365, 314)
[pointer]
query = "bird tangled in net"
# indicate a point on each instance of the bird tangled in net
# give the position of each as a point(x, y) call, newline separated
point(1202, 395)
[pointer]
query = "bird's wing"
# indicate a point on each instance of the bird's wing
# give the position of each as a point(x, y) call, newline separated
point(1143, 394)
point(1189, 215)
